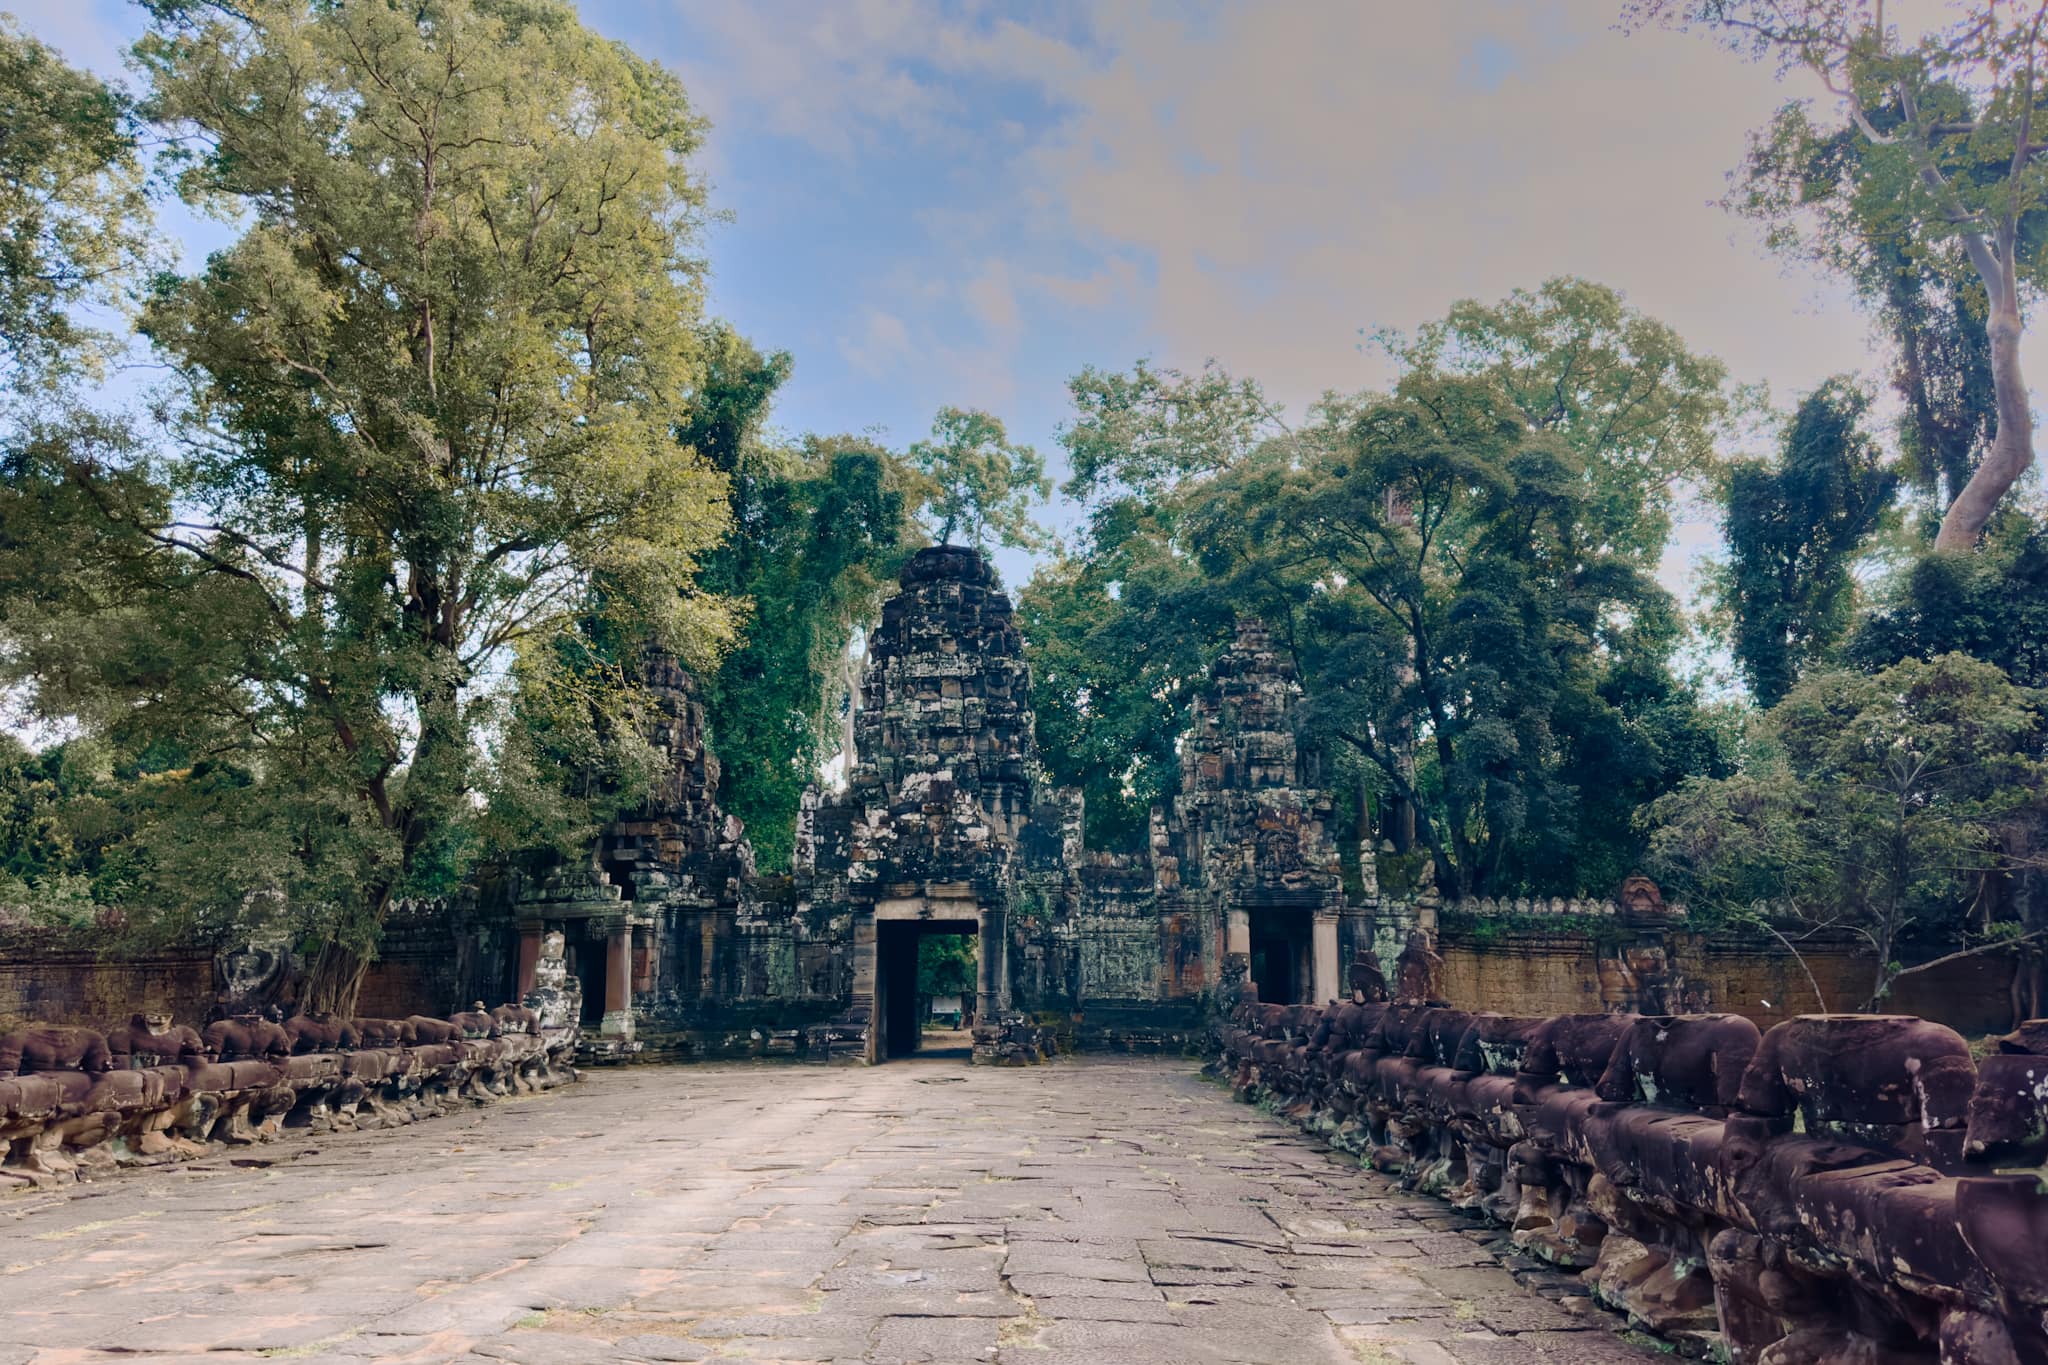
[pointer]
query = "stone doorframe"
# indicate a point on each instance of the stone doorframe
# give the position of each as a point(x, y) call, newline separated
point(939, 904)
point(1324, 983)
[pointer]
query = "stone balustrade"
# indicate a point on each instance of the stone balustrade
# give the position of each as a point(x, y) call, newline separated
point(75, 1102)
point(1843, 1188)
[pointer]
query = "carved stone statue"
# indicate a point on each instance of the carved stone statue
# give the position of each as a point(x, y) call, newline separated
point(1420, 969)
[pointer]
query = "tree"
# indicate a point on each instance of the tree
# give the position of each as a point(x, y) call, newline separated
point(1793, 531)
point(424, 425)
point(820, 527)
point(74, 220)
point(1642, 410)
point(1823, 194)
point(1950, 154)
point(978, 483)
point(1172, 467)
point(1992, 606)
point(945, 965)
point(1121, 633)
point(1876, 804)
point(1429, 564)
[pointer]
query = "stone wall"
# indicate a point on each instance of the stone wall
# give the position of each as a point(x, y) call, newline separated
point(435, 957)
point(1554, 970)
point(69, 978)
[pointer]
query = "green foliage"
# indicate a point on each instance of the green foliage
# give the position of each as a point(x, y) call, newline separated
point(74, 221)
point(945, 965)
point(1821, 195)
point(423, 425)
point(1876, 801)
point(1136, 436)
point(1793, 532)
point(1121, 635)
point(1428, 559)
point(819, 529)
point(1460, 566)
point(1992, 606)
point(1641, 410)
point(1938, 158)
point(977, 482)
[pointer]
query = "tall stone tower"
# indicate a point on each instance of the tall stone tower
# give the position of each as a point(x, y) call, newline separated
point(943, 783)
point(1254, 828)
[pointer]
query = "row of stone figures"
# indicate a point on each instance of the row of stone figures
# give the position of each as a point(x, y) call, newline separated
point(1843, 1190)
point(75, 1101)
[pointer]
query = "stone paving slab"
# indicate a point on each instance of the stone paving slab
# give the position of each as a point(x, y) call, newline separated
point(1091, 1210)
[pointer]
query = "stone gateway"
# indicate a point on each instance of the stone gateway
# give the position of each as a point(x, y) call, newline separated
point(948, 824)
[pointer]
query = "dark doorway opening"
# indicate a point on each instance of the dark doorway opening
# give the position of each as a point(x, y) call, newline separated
point(900, 1005)
point(586, 964)
point(1281, 965)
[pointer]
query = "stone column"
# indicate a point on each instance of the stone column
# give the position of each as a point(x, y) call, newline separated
point(618, 982)
point(1237, 932)
point(529, 959)
point(990, 986)
point(1327, 986)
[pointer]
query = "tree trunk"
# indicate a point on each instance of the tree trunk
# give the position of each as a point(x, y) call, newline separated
point(2012, 444)
point(335, 981)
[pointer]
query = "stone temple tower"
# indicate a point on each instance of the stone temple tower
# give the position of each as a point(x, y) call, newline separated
point(1254, 827)
point(944, 780)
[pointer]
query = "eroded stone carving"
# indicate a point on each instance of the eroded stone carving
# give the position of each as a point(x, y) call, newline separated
point(1841, 1189)
point(74, 1102)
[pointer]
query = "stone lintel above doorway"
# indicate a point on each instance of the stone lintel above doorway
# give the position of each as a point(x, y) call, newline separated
point(937, 903)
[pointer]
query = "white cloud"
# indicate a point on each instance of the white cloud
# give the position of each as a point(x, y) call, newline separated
point(881, 348)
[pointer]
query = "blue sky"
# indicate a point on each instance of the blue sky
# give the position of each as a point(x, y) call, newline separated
point(964, 203)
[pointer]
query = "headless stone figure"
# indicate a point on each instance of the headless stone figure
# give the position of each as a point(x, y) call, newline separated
point(1420, 969)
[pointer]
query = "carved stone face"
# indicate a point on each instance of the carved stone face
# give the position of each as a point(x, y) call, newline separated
point(1640, 894)
point(157, 1020)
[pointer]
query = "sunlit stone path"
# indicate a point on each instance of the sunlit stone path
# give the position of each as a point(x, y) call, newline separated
point(1091, 1210)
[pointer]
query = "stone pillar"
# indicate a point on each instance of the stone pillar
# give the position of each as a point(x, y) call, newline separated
point(865, 1007)
point(990, 965)
point(1327, 986)
point(707, 961)
point(529, 959)
point(1237, 932)
point(618, 982)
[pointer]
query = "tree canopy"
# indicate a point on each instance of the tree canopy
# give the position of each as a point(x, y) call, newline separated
point(1876, 803)
point(1946, 157)
point(423, 424)
point(1793, 531)
point(74, 219)
point(977, 482)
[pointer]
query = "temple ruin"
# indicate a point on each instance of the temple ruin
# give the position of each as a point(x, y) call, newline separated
point(948, 824)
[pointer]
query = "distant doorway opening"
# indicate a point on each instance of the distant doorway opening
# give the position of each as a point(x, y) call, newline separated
point(1282, 965)
point(916, 960)
point(586, 964)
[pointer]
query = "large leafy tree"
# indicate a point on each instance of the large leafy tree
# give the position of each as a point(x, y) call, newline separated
point(1793, 530)
point(1992, 606)
point(1122, 631)
point(1643, 411)
point(423, 425)
point(74, 221)
point(1431, 564)
point(1822, 193)
point(1883, 803)
point(819, 528)
point(1950, 156)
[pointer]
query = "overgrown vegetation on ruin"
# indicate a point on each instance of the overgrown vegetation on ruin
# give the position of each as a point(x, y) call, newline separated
point(448, 442)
